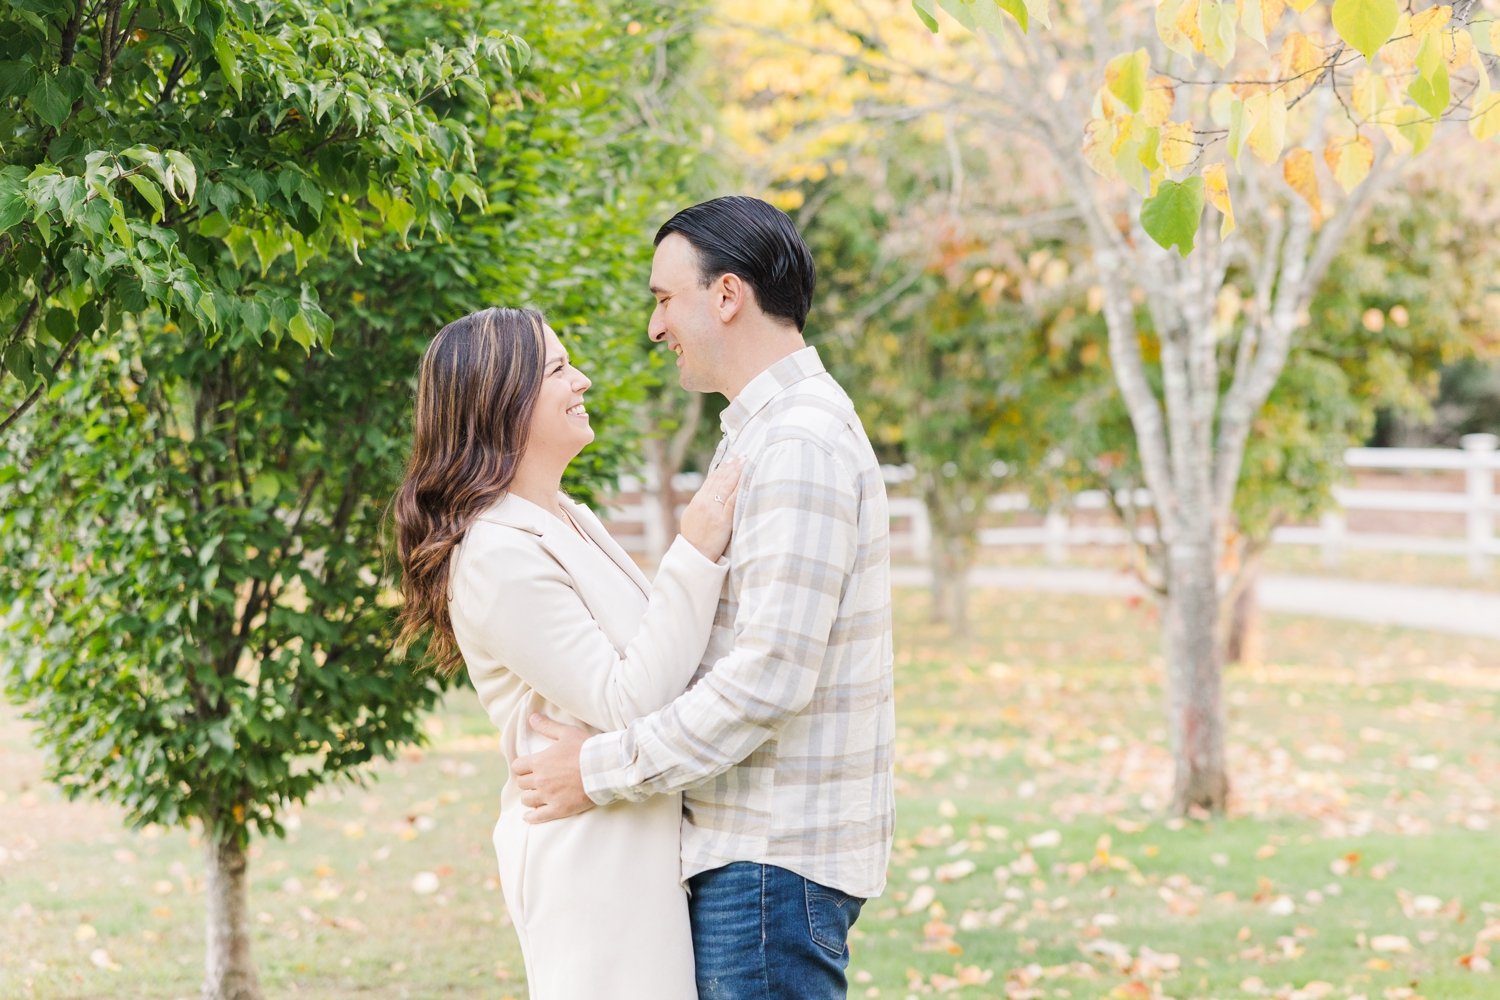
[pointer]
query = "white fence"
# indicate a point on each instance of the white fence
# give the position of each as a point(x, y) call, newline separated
point(1430, 501)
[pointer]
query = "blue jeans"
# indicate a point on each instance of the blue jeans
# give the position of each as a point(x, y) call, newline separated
point(764, 933)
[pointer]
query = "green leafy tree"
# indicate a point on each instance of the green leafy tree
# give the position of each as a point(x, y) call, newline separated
point(144, 140)
point(195, 579)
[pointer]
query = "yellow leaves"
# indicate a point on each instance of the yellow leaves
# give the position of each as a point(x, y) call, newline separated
point(1268, 134)
point(1098, 146)
point(1484, 121)
point(1173, 33)
point(1430, 20)
point(1300, 5)
point(1259, 17)
point(1300, 172)
point(1187, 24)
point(1350, 159)
point(1371, 93)
point(1216, 192)
point(1160, 98)
point(1179, 146)
point(1301, 59)
point(1400, 53)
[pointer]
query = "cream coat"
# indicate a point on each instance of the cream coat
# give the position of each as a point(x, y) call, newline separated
point(549, 623)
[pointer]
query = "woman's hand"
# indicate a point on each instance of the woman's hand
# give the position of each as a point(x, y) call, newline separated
point(709, 517)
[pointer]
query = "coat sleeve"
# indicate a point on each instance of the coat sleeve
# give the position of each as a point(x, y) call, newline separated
point(532, 620)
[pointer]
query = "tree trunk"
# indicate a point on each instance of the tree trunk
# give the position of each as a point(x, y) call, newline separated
point(230, 971)
point(1242, 642)
point(660, 498)
point(950, 586)
point(1195, 703)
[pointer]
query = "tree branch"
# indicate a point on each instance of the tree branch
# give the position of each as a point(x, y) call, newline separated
point(30, 400)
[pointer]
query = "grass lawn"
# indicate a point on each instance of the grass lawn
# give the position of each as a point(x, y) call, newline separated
point(1032, 856)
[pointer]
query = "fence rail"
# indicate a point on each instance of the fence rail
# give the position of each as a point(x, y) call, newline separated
point(1444, 502)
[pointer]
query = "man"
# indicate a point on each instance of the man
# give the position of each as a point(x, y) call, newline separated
point(782, 746)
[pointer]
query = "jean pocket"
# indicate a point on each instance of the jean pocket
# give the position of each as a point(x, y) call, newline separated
point(830, 914)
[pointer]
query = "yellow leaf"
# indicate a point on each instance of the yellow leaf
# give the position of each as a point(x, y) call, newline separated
point(1350, 160)
point(1301, 174)
point(1187, 24)
point(1270, 13)
point(1300, 5)
point(1098, 146)
point(1430, 20)
point(1167, 15)
point(1301, 62)
point(1268, 136)
point(1460, 51)
point(1370, 93)
point(1400, 53)
point(1484, 123)
point(1156, 109)
point(1252, 18)
point(1216, 192)
point(1179, 146)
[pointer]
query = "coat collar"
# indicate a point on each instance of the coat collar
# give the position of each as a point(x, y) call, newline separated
point(517, 512)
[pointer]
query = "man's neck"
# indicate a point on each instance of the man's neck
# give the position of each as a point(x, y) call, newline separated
point(768, 349)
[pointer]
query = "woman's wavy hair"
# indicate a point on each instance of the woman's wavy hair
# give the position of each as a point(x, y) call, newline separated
point(476, 390)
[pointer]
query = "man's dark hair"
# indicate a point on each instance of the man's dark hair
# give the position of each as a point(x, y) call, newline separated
point(755, 241)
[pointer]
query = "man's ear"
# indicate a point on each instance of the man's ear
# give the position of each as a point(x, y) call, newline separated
point(732, 296)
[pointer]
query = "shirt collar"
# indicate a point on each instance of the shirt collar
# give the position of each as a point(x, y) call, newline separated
point(766, 386)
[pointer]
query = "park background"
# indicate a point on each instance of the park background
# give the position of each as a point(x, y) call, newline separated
point(1173, 257)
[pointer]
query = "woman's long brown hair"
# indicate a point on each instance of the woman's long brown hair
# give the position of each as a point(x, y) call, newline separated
point(476, 390)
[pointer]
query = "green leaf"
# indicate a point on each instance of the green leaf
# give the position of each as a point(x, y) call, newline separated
point(1216, 22)
point(12, 196)
point(1240, 122)
point(185, 173)
point(399, 216)
point(51, 101)
point(1125, 76)
point(149, 191)
point(1171, 216)
point(16, 77)
point(229, 63)
point(1365, 24)
point(1432, 95)
point(302, 331)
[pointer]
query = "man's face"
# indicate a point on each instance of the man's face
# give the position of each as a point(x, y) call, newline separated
point(686, 318)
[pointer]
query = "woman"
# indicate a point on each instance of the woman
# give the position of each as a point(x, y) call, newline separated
point(525, 587)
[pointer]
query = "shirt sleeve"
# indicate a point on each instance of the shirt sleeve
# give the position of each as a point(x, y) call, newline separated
point(794, 547)
point(536, 624)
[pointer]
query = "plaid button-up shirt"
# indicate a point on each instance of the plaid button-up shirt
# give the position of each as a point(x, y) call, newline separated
point(782, 746)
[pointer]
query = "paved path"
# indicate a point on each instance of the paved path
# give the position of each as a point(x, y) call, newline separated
point(1442, 609)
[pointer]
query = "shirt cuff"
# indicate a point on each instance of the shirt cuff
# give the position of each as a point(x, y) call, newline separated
point(601, 764)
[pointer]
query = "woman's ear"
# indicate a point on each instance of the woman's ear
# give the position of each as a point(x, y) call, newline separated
point(733, 295)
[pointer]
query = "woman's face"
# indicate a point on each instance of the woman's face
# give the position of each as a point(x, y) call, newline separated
point(559, 423)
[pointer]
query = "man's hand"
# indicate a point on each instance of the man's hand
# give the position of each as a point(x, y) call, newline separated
point(550, 781)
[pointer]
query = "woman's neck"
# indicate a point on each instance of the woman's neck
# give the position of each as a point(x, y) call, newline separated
point(540, 486)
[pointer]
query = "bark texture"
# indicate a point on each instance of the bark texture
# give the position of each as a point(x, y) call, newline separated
point(230, 972)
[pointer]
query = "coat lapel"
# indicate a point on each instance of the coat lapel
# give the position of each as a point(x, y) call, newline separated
point(595, 529)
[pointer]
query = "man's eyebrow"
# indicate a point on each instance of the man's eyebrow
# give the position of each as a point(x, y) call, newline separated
point(657, 290)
